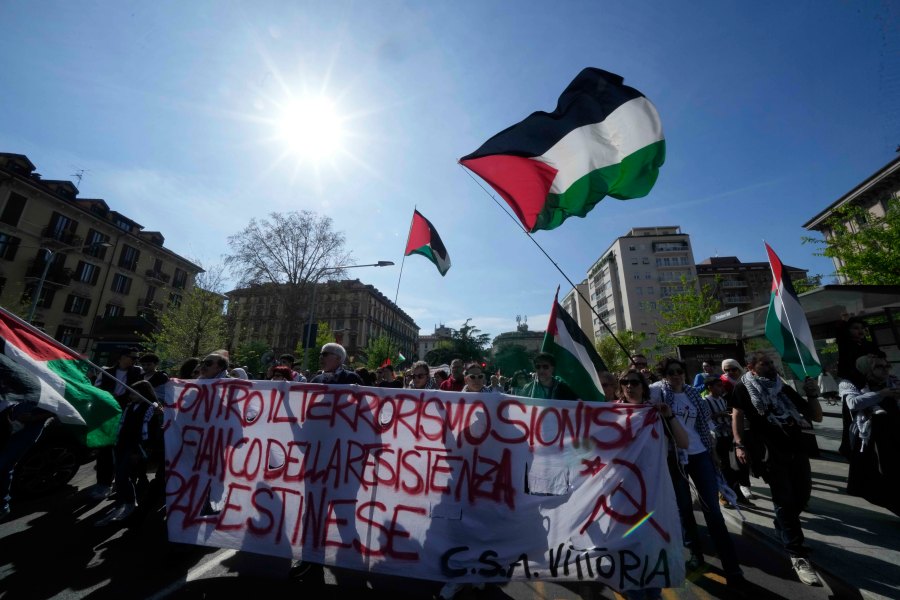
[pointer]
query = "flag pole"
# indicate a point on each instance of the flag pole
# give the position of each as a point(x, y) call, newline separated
point(784, 308)
point(553, 262)
point(399, 278)
point(55, 342)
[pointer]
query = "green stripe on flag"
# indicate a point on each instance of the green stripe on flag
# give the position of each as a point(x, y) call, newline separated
point(99, 409)
point(633, 177)
point(570, 370)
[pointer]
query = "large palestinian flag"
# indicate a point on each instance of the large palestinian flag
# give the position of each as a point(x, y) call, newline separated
point(36, 368)
point(424, 240)
point(577, 362)
point(786, 325)
point(603, 139)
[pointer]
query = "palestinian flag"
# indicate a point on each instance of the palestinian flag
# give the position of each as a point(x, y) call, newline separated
point(603, 139)
point(786, 325)
point(577, 362)
point(424, 240)
point(36, 368)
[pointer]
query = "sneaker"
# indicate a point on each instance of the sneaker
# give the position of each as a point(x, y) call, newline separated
point(694, 563)
point(723, 500)
point(450, 590)
point(99, 491)
point(5, 511)
point(123, 512)
point(804, 571)
point(747, 492)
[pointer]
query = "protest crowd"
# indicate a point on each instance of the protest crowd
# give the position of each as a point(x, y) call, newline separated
point(732, 422)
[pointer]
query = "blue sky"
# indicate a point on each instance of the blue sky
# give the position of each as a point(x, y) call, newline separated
point(771, 111)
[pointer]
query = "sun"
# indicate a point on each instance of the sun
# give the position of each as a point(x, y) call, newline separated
point(312, 129)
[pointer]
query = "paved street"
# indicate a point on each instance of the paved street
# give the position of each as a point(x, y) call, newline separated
point(51, 549)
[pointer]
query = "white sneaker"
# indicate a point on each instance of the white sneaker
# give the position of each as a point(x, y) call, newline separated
point(747, 492)
point(99, 491)
point(805, 571)
point(450, 590)
point(118, 514)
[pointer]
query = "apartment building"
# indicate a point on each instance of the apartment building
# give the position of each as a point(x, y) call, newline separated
point(427, 343)
point(638, 269)
point(738, 284)
point(106, 278)
point(356, 313)
point(873, 194)
point(575, 304)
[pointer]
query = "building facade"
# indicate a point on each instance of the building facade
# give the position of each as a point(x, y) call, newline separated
point(522, 336)
point(638, 269)
point(738, 284)
point(575, 304)
point(106, 279)
point(428, 343)
point(356, 313)
point(873, 194)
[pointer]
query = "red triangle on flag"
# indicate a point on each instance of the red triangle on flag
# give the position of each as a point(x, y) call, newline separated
point(386, 362)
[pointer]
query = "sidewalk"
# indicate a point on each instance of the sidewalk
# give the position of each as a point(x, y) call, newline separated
point(851, 540)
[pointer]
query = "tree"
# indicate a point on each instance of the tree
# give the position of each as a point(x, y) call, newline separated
point(291, 252)
point(683, 310)
point(442, 353)
point(324, 335)
point(249, 355)
point(379, 349)
point(469, 343)
point(867, 247)
point(613, 357)
point(808, 283)
point(510, 358)
point(196, 324)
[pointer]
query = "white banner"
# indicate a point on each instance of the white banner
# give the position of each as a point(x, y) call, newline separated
point(436, 485)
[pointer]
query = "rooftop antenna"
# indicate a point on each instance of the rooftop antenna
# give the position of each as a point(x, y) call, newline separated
point(79, 175)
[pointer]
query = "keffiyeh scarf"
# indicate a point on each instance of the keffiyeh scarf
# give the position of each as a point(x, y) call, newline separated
point(771, 402)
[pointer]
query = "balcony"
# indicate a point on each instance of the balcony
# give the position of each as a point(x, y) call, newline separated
point(670, 247)
point(150, 305)
point(54, 238)
point(730, 284)
point(157, 276)
point(55, 275)
point(736, 300)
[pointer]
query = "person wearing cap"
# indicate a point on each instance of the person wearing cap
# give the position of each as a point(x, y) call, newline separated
point(158, 379)
point(331, 359)
point(287, 360)
point(731, 374)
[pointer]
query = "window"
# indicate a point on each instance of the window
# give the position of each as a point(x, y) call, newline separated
point(631, 248)
point(114, 310)
point(121, 284)
point(92, 247)
point(12, 212)
point(634, 261)
point(640, 291)
point(179, 281)
point(8, 246)
point(61, 227)
point(77, 305)
point(636, 276)
point(122, 224)
point(151, 293)
point(46, 298)
point(645, 260)
point(87, 273)
point(648, 275)
point(175, 300)
point(128, 258)
point(68, 335)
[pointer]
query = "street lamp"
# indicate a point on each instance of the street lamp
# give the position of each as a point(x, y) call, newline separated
point(307, 343)
point(50, 254)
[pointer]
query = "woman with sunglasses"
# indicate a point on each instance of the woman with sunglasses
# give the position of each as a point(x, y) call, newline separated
point(475, 379)
point(698, 461)
point(421, 377)
point(634, 389)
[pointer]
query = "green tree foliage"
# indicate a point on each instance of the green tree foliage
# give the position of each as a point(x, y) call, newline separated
point(868, 247)
point(249, 355)
point(324, 335)
point(194, 326)
point(807, 283)
point(616, 360)
point(510, 358)
point(682, 310)
point(380, 349)
point(469, 343)
point(442, 353)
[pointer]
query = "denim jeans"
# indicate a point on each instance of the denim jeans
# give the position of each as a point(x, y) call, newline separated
point(14, 448)
point(789, 478)
point(702, 472)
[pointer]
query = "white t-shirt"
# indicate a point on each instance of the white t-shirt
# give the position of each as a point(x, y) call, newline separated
point(685, 412)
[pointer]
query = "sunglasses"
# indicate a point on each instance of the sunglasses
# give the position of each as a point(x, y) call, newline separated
point(208, 363)
point(325, 353)
point(541, 367)
point(471, 376)
point(420, 376)
point(675, 372)
point(627, 382)
point(729, 369)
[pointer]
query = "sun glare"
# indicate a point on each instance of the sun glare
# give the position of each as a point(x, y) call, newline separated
point(312, 129)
